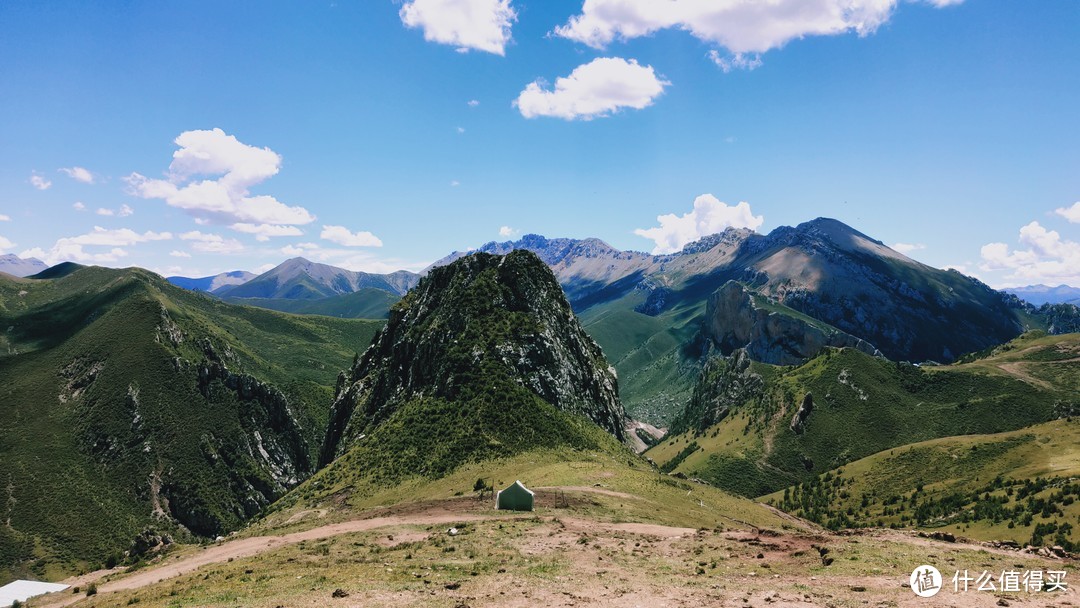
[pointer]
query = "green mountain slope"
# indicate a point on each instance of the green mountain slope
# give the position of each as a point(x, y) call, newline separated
point(754, 428)
point(128, 402)
point(484, 359)
point(364, 303)
point(1018, 486)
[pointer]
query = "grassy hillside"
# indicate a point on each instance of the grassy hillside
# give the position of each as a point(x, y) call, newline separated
point(862, 405)
point(365, 303)
point(1019, 486)
point(128, 402)
point(654, 355)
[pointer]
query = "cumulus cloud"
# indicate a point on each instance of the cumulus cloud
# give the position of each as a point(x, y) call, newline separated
point(263, 232)
point(5, 218)
point(737, 25)
point(1042, 257)
point(5, 244)
point(594, 89)
point(1070, 213)
point(39, 182)
point(473, 103)
point(211, 243)
point(482, 25)
point(78, 174)
point(71, 249)
point(342, 236)
point(737, 61)
point(235, 167)
point(176, 253)
point(906, 248)
point(708, 216)
point(507, 231)
point(78, 206)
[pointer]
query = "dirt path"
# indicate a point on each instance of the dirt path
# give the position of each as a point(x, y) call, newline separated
point(1016, 370)
point(421, 514)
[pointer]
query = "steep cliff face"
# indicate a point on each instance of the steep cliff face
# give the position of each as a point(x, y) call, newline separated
point(481, 330)
point(738, 319)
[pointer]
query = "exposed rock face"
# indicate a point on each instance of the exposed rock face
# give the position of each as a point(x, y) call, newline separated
point(733, 320)
point(726, 383)
point(798, 421)
point(480, 311)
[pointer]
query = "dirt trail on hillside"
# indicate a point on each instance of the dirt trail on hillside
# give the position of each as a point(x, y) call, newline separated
point(603, 571)
point(412, 514)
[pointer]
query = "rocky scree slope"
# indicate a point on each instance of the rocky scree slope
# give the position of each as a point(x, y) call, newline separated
point(487, 355)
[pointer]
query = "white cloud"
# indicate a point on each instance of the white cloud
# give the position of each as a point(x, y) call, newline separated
point(78, 174)
point(5, 244)
point(737, 25)
point(483, 25)
point(709, 216)
point(342, 236)
point(473, 103)
point(124, 211)
point(1070, 213)
point(71, 249)
point(906, 248)
point(507, 231)
point(5, 218)
point(78, 206)
point(176, 253)
point(594, 89)
point(263, 232)
point(454, 183)
point(236, 166)
point(1043, 257)
point(737, 61)
point(40, 182)
point(211, 243)
point(460, 130)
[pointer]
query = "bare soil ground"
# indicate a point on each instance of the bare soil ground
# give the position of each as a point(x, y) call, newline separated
point(403, 556)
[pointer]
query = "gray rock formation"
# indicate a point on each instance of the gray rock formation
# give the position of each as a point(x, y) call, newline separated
point(734, 320)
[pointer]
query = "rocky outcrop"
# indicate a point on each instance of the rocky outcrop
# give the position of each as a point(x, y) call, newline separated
point(503, 314)
point(802, 415)
point(726, 383)
point(733, 320)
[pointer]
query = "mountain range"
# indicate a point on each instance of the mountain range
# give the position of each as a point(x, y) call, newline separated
point(1044, 294)
point(18, 267)
point(136, 408)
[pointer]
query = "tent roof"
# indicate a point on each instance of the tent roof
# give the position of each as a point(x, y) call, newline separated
point(24, 590)
point(520, 485)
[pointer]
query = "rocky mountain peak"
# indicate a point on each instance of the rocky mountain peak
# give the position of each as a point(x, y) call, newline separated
point(477, 322)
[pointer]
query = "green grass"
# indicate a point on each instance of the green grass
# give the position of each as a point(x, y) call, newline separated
point(863, 405)
point(102, 414)
point(656, 374)
point(988, 487)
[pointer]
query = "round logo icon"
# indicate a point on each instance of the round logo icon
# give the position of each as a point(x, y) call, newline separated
point(925, 581)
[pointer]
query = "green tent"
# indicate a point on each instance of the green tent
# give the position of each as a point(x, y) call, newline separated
point(515, 498)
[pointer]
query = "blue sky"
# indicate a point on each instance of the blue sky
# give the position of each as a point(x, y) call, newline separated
point(192, 138)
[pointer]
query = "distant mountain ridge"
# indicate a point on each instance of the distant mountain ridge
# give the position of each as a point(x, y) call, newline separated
point(302, 279)
point(1044, 294)
point(213, 283)
point(821, 268)
point(19, 267)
